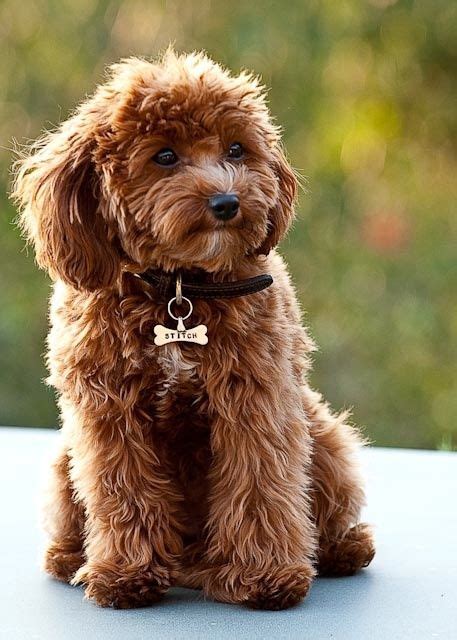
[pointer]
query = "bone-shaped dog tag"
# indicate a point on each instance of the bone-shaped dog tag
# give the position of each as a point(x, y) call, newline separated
point(163, 335)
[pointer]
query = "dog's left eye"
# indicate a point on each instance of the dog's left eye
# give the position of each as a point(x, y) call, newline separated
point(165, 157)
point(236, 151)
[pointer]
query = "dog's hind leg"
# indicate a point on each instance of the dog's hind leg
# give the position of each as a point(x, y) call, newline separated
point(345, 545)
point(64, 523)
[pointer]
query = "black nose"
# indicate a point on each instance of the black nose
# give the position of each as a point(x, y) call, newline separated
point(224, 205)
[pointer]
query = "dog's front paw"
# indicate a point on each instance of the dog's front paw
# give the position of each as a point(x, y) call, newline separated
point(275, 588)
point(110, 586)
point(282, 589)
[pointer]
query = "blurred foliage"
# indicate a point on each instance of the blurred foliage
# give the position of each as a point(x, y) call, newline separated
point(366, 92)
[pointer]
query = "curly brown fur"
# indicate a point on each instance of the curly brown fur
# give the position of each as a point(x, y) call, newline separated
point(213, 467)
point(64, 523)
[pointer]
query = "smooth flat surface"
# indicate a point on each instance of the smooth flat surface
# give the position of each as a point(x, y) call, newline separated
point(409, 591)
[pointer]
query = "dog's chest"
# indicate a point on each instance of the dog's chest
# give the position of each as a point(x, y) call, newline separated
point(177, 368)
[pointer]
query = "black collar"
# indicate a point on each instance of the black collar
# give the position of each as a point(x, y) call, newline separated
point(194, 287)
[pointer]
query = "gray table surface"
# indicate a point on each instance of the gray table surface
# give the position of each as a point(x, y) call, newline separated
point(410, 590)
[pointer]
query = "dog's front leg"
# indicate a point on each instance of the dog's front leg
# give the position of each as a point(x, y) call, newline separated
point(261, 539)
point(132, 535)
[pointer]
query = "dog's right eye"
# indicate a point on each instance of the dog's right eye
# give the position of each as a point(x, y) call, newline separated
point(165, 157)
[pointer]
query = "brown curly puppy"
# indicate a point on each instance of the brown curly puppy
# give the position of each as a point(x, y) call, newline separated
point(214, 466)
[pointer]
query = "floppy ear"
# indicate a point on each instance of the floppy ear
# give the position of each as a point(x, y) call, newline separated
point(60, 197)
point(281, 215)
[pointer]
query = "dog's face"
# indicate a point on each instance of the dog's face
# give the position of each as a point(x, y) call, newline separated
point(173, 165)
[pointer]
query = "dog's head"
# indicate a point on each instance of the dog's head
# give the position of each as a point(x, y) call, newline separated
point(175, 164)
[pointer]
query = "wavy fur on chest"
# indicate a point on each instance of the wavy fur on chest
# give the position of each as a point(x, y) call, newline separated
point(93, 334)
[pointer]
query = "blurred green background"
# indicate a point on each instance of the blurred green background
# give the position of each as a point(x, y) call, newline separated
point(366, 92)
